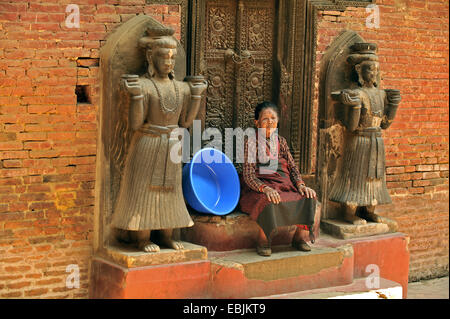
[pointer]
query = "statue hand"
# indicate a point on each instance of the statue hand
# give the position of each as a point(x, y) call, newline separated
point(132, 86)
point(197, 88)
point(349, 97)
point(393, 96)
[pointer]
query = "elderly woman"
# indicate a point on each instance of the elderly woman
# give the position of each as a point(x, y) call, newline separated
point(274, 196)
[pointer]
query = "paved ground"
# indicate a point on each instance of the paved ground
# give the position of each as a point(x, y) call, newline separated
point(429, 289)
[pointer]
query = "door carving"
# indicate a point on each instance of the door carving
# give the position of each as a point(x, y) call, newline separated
point(238, 42)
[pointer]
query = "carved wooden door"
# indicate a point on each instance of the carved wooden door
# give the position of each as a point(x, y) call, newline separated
point(239, 46)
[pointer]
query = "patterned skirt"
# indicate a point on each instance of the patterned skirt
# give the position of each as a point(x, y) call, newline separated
point(294, 209)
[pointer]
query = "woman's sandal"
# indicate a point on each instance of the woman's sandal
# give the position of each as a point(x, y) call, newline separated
point(301, 245)
point(265, 251)
point(312, 238)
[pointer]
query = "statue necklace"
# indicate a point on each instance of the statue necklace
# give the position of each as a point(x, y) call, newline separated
point(167, 98)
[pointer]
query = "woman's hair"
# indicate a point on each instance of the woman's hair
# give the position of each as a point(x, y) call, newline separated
point(265, 105)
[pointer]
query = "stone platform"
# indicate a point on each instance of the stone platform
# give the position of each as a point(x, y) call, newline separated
point(242, 273)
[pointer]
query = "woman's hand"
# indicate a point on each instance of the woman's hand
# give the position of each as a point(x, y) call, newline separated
point(272, 195)
point(307, 192)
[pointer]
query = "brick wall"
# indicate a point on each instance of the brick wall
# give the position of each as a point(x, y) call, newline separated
point(413, 49)
point(48, 138)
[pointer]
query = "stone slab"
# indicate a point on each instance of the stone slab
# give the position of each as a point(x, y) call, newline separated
point(343, 230)
point(359, 289)
point(130, 257)
point(245, 274)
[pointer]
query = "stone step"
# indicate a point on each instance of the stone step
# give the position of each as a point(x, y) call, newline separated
point(359, 289)
point(245, 274)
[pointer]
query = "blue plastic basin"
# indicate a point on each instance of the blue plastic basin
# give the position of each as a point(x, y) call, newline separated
point(211, 183)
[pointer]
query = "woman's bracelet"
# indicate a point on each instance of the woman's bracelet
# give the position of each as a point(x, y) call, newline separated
point(196, 97)
point(137, 97)
point(299, 185)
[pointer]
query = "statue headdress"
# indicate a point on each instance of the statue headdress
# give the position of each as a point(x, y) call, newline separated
point(361, 52)
point(157, 37)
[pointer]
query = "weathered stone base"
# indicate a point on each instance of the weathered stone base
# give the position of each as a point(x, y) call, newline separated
point(344, 230)
point(130, 257)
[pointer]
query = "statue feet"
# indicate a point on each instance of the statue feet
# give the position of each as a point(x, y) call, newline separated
point(355, 220)
point(177, 245)
point(166, 240)
point(373, 217)
point(368, 213)
point(148, 247)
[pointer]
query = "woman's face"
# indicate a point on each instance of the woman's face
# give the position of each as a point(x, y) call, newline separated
point(268, 119)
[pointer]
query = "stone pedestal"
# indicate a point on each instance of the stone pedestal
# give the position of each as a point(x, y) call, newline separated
point(344, 230)
point(121, 272)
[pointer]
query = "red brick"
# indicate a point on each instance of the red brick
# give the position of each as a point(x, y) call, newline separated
point(19, 285)
point(36, 292)
point(14, 294)
point(5, 216)
point(12, 172)
point(12, 163)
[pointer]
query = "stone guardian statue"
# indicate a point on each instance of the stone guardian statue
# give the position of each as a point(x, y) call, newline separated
point(360, 183)
point(150, 195)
